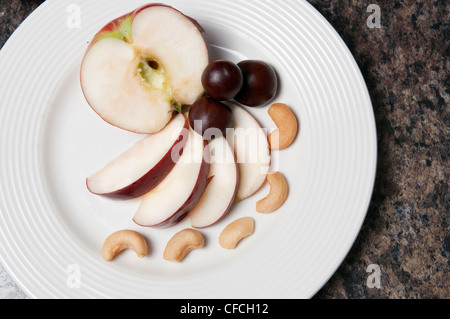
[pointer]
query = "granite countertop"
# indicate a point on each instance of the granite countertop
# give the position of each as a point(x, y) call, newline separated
point(405, 63)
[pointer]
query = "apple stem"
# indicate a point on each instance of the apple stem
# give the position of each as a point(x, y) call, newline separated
point(126, 38)
point(177, 107)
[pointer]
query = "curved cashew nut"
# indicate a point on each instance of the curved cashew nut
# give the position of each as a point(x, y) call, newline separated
point(182, 243)
point(121, 240)
point(287, 125)
point(234, 232)
point(277, 196)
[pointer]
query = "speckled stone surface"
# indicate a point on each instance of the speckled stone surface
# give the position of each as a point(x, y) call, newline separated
point(405, 63)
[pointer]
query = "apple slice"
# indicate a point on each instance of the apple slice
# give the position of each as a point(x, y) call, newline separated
point(142, 64)
point(144, 165)
point(180, 191)
point(221, 191)
point(251, 150)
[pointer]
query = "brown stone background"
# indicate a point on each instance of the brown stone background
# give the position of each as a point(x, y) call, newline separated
point(405, 65)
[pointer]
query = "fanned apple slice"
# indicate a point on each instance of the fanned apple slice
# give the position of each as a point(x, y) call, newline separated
point(180, 191)
point(251, 150)
point(142, 64)
point(144, 165)
point(220, 193)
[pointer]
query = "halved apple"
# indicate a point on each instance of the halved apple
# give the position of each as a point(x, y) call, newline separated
point(221, 191)
point(252, 152)
point(144, 165)
point(142, 64)
point(180, 191)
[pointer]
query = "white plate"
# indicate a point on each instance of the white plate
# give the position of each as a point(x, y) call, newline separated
point(52, 229)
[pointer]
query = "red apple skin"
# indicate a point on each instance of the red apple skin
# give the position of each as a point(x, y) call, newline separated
point(114, 24)
point(153, 177)
point(200, 186)
point(110, 27)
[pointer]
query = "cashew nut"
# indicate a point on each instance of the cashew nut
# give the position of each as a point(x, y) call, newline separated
point(287, 126)
point(121, 240)
point(234, 232)
point(182, 243)
point(278, 193)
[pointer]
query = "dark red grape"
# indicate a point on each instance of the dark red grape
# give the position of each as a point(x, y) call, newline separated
point(222, 80)
point(260, 83)
point(207, 113)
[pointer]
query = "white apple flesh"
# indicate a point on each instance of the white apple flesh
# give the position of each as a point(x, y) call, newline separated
point(180, 191)
point(142, 64)
point(251, 150)
point(144, 165)
point(219, 196)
